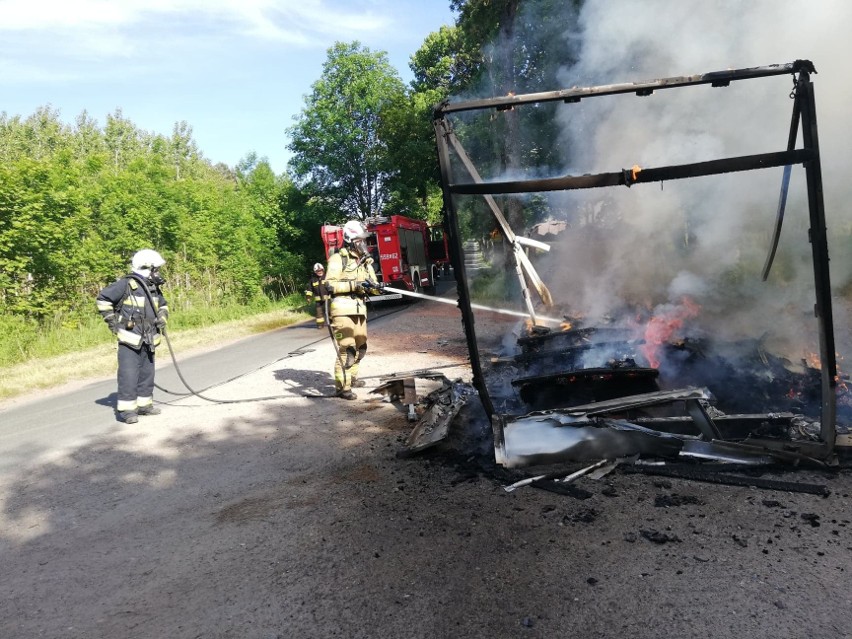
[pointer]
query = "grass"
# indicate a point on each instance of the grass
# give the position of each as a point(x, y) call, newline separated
point(81, 360)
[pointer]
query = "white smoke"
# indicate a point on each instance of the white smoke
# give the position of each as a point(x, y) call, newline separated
point(688, 253)
point(708, 237)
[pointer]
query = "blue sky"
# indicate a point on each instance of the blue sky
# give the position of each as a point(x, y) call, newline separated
point(236, 71)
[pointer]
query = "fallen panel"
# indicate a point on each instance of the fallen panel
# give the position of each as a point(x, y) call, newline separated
point(434, 424)
point(638, 401)
point(546, 438)
point(714, 451)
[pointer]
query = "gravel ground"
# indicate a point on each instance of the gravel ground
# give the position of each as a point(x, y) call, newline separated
point(295, 517)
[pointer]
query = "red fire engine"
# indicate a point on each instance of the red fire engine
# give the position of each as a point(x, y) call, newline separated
point(406, 253)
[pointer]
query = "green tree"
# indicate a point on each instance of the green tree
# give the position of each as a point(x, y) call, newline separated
point(446, 62)
point(522, 45)
point(340, 152)
point(183, 148)
point(123, 140)
point(441, 66)
point(77, 201)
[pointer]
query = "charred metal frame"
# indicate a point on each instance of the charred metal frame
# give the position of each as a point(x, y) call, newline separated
point(804, 112)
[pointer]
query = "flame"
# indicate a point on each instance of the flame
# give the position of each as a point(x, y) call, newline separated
point(812, 360)
point(841, 378)
point(565, 326)
point(660, 328)
point(530, 327)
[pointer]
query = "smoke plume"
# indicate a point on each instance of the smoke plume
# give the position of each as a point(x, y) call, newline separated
point(708, 238)
point(695, 249)
point(705, 239)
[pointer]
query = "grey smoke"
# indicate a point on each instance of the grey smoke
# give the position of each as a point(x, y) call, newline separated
point(716, 229)
point(632, 252)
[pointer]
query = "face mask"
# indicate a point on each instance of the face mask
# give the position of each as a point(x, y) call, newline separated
point(156, 278)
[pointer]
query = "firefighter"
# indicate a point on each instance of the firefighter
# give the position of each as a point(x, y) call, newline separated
point(136, 312)
point(349, 280)
point(316, 293)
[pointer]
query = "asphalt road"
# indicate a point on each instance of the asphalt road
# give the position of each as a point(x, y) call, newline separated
point(56, 422)
point(299, 518)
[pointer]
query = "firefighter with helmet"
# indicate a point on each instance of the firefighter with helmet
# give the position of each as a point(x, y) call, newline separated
point(136, 312)
point(316, 293)
point(350, 278)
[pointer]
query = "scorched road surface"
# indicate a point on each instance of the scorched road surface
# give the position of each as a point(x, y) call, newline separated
point(294, 517)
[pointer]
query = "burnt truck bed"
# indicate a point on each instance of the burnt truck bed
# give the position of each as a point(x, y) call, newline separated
point(629, 391)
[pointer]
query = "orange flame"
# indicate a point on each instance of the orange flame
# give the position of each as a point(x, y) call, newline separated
point(812, 360)
point(840, 378)
point(660, 328)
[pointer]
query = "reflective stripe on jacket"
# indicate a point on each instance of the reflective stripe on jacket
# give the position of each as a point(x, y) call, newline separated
point(133, 312)
point(345, 272)
point(317, 288)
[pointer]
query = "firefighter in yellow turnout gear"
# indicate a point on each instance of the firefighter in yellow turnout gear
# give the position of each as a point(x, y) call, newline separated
point(349, 279)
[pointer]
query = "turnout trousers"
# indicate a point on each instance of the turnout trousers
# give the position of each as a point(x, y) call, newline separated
point(350, 332)
point(320, 314)
point(135, 377)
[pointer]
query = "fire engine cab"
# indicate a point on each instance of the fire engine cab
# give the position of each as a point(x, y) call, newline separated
point(400, 248)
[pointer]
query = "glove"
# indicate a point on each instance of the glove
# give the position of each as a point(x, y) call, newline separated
point(376, 288)
point(112, 321)
point(161, 321)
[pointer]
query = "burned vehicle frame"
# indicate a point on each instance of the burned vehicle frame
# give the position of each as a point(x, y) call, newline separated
point(508, 429)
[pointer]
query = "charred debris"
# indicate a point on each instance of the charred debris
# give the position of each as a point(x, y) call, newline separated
point(562, 392)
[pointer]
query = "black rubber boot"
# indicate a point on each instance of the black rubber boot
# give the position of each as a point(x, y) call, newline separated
point(347, 394)
point(149, 410)
point(128, 416)
point(358, 383)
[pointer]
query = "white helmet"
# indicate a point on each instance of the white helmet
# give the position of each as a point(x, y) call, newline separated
point(318, 268)
point(353, 230)
point(145, 260)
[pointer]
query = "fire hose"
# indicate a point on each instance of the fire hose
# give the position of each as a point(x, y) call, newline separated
point(181, 377)
point(327, 314)
point(210, 399)
point(480, 307)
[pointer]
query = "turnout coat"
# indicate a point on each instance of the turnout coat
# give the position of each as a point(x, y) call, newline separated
point(132, 311)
